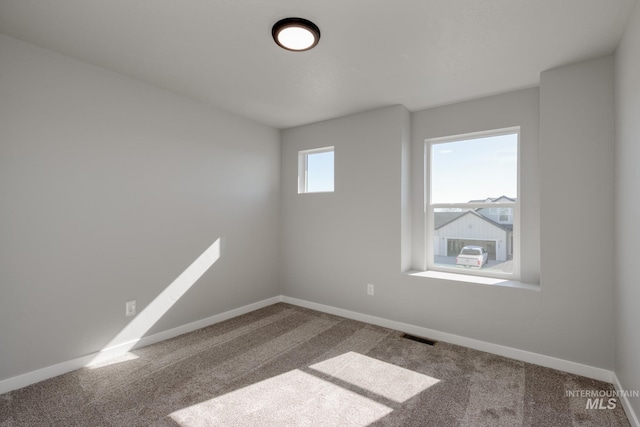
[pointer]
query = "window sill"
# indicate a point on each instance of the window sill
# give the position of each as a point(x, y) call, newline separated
point(456, 277)
point(316, 192)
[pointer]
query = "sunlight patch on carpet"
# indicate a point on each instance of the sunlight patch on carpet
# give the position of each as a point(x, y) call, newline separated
point(292, 398)
point(382, 378)
point(359, 390)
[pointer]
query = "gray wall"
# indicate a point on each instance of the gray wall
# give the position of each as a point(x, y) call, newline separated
point(627, 296)
point(518, 108)
point(334, 244)
point(577, 162)
point(109, 189)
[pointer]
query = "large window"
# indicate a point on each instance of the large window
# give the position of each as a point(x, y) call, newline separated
point(315, 170)
point(472, 209)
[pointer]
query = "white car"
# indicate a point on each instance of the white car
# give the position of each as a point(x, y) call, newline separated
point(472, 257)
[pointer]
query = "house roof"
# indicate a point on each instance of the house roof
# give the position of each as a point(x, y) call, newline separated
point(494, 200)
point(444, 218)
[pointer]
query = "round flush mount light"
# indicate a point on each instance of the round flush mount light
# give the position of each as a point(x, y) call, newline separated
point(296, 34)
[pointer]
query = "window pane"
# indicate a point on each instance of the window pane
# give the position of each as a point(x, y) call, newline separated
point(320, 172)
point(475, 169)
point(460, 235)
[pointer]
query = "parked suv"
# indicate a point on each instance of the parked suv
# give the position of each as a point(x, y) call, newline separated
point(472, 257)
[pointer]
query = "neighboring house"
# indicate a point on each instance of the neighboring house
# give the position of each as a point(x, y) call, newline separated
point(500, 215)
point(491, 228)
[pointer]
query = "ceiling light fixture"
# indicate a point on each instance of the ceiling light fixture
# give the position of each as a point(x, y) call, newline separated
point(296, 34)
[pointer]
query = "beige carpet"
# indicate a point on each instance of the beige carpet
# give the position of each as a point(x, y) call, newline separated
point(288, 366)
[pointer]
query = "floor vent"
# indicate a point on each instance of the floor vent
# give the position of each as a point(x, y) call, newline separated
point(426, 341)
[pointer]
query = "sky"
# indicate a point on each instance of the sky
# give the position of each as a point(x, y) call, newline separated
point(474, 169)
point(320, 172)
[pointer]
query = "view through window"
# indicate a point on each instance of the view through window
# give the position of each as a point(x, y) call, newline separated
point(316, 170)
point(472, 209)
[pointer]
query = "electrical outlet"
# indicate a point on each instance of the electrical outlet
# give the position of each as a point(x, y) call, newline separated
point(369, 289)
point(130, 308)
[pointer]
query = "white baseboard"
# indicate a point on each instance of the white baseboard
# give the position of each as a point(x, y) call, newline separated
point(513, 353)
point(628, 409)
point(123, 348)
point(33, 377)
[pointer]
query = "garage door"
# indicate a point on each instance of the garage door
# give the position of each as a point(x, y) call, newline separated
point(454, 246)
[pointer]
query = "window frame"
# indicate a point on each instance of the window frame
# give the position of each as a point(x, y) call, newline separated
point(303, 169)
point(429, 208)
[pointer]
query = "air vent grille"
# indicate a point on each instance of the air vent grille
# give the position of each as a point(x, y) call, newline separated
point(426, 341)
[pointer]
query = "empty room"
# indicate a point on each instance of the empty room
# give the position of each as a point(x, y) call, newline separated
point(330, 213)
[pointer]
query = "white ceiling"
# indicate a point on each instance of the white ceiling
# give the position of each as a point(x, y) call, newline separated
point(372, 53)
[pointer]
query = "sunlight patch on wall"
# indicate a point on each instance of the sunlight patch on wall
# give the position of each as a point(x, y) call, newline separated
point(140, 325)
point(114, 360)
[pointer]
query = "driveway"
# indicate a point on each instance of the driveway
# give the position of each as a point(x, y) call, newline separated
point(505, 266)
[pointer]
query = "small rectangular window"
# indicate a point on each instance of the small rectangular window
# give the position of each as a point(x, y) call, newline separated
point(473, 203)
point(316, 170)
